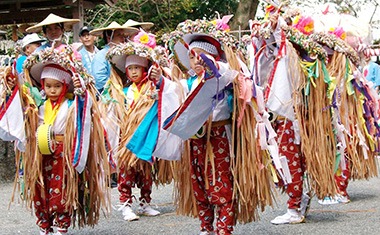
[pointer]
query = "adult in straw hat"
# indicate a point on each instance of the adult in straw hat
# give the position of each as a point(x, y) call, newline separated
point(53, 27)
point(113, 34)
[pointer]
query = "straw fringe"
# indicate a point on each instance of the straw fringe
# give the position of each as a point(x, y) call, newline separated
point(88, 193)
point(129, 124)
point(314, 118)
point(253, 184)
point(31, 160)
point(184, 198)
point(350, 111)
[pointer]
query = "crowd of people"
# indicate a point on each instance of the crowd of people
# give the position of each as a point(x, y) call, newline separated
point(228, 121)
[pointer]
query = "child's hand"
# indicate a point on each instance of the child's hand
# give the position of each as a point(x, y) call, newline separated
point(202, 63)
point(255, 28)
point(76, 81)
point(78, 89)
point(11, 82)
point(155, 73)
point(273, 20)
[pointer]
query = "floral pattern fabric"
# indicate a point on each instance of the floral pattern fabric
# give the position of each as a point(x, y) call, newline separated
point(49, 200)
point(212, 197)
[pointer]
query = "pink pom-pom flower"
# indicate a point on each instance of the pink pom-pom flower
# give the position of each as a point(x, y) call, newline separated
point(305, 24)
point(146, 39)
point(339, 32)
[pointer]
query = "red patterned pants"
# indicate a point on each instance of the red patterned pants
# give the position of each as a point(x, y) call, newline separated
point(128, 179)
point(342, 177)
point(216, 197)
point(49, 199)
point(296, 161)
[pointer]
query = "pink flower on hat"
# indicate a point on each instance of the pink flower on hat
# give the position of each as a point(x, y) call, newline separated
point(305, 24)
point(145, 38)
point(339, 32)
point(222, 24)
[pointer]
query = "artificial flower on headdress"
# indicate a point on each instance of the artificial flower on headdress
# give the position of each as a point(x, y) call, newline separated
point(305, 24)
point(338, 31)
point(145, 38)
point(222, 24)
point(268, 11)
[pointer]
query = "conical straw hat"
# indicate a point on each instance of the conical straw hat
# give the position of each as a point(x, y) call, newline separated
point(132, 23)
point(114, 26)
point(51, 19)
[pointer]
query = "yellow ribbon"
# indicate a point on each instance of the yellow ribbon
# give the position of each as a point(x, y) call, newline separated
point(136, 91)
point(331, 87)
point(45, 135)
point(50, 112)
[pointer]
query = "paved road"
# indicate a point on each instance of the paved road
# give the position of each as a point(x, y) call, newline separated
point(361, 216)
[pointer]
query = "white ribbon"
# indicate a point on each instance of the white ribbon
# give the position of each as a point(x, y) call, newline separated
point(362, 143)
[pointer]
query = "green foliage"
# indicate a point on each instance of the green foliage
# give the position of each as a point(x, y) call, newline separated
point(164, 14)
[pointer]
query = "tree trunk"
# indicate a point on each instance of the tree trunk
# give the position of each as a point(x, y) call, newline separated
point(245, 11)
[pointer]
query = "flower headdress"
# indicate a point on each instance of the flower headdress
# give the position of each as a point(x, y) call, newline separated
point(311, 47)
point(217, 29)
point(118, 54)
point(337, 44)
point(65, 58)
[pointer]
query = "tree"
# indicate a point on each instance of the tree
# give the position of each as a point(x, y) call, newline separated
point(245, 11)
point(164, 14)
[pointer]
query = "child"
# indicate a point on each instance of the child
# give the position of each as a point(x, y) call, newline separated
point(136, 70)
point(131, 170)
point(211, 174)
point(61, 178)
point(49, 199)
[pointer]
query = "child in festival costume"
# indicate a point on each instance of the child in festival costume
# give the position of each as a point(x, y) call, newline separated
point(204, 119)
point(279, 84)
point(62, 180)
point(49, 200)
point(138, 117)
point(136, 70)
point(321, 93)
point(342, 61)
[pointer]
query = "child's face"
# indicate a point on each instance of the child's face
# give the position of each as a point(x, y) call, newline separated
point(53, 88)
point(135, 73)
point(194, 62)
